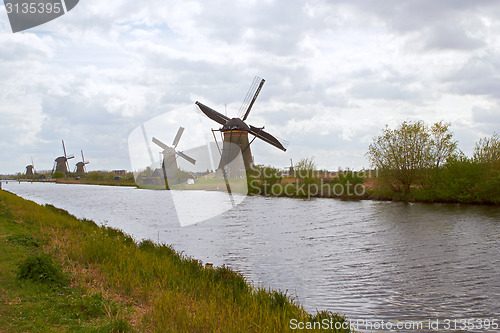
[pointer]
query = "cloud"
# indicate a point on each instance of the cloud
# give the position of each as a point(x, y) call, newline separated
point(478, 76)
point(336, 73)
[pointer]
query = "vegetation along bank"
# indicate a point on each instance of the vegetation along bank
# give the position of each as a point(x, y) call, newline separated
point(413, 162)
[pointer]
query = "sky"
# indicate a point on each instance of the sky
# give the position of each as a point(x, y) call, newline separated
point(336, 73)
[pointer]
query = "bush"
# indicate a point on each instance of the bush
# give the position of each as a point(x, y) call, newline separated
point(41, 268)
point(58, 175)
point(261, 179)
point(146, 245)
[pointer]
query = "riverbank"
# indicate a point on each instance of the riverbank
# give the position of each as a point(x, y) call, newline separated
point(367, 189)
point(118, 182)
point(372, 189)
point(110, 283)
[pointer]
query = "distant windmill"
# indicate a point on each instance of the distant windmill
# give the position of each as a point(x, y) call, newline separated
point(235, 130)
point(80, 166)
point(291, 173)
point(169, 163)
point(61, 163)
point(30, 169)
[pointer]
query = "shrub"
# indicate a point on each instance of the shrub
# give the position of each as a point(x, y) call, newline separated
point(146, 245)
point(58, 175)
point(41, 268)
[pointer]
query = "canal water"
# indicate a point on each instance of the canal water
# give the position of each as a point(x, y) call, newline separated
point(372, 261)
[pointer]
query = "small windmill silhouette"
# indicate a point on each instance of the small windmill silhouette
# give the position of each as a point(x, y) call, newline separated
point(61, 163)
point(169, 162)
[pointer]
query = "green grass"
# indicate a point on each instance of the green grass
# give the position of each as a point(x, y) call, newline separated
point(35, 294)
point(86, 278)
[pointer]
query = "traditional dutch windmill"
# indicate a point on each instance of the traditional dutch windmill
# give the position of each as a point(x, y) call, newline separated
point(235, 130)
point(30, 169)
point(169, 163)
point(80, 166)
point(61, 163)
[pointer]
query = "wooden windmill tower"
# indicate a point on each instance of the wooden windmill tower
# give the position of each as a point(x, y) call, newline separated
point(80, 166)
point(235, 131)
point(61, 163)
point(30, 169)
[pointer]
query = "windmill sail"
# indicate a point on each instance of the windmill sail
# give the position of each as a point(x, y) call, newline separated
point(235, 131)
point(212, 114)
point(263, 135)
point(248, 98)
point(187, 158)
point(178, 137)
point(159, 143)
point(253, 99)
point(171, 150)
point(169, 164)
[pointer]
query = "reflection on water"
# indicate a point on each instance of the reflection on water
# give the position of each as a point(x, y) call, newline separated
point(372, 260)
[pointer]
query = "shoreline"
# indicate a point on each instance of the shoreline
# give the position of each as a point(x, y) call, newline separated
point(371, 194)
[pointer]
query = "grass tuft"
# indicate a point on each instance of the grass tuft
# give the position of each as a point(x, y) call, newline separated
point(117, 325)
point(42, 268)
point(24, 240)
point(147, 245)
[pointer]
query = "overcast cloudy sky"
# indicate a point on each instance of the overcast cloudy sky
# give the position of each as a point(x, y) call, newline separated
point(336, 72)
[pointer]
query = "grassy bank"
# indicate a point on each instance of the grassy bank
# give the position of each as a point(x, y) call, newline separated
point(59, 274)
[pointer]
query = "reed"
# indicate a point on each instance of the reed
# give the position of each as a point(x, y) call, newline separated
point(123, 285)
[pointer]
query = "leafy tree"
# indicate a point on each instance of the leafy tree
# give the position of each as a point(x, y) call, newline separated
point(401, 154)
point(443, 147)
point(487, 155)
point(487, 150)
point(404, 156)
point(305, 170)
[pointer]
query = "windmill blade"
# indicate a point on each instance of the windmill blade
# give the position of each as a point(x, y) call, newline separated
point(259, 88)
point(148, 146)
point(83, 158)
point(159, 143)
point(64, 148)
point(212, 114)
point(70, 157)
point(248, 97)
point(263, 135)
point(187, 158)
point(178, 137)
